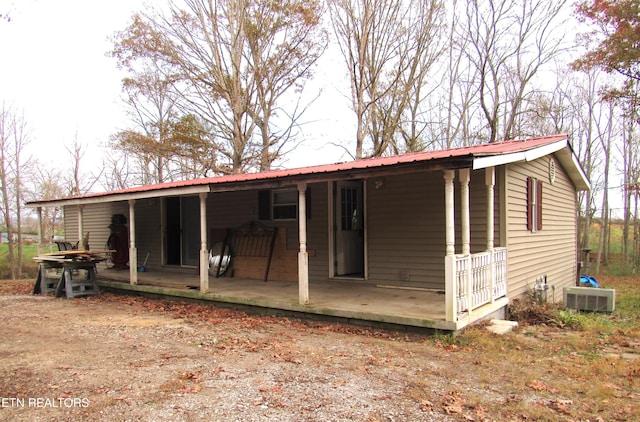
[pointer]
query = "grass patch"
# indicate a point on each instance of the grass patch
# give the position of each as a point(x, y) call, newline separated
point(29, 267)
point(560, 364)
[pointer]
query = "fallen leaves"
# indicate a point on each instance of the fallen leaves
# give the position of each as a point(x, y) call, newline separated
point(538, 385)
point(561, 406)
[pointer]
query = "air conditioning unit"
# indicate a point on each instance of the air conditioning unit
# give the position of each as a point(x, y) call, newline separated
point(589, 299)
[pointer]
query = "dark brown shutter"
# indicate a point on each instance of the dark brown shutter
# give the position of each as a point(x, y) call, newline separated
point(307, 195)
point(264, 205)
point(539, 206)
point(529, 203)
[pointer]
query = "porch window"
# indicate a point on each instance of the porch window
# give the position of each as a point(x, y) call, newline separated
point(285, 204)
point(534, 204)
point(281, 204)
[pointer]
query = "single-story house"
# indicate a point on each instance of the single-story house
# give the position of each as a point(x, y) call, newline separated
point(437, 239)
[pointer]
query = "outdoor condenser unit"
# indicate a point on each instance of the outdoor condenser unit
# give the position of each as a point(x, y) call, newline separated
point(589, 299)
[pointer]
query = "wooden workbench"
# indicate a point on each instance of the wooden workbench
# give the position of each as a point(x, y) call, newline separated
point(74, 273)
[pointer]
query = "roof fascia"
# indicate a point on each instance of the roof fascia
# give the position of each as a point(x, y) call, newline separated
point(561, 148)
point(572, 166)
point(529, 155)
point(271, 183)
point(187, 190)
point(351, 174)
point(497, 160)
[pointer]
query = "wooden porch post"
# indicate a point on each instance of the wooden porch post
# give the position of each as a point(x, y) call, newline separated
point(450, 258)
point(40, 230)
point(490, 181)
point(204, 265)
point(80, 225)
point(450, 236)
point(466, 232)
point(303, 256)
point(133, 251)
point(464, 210)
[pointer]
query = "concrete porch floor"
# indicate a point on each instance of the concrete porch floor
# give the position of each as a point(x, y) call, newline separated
point(342, 299)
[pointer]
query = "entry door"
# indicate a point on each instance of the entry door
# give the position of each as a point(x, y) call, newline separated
point(182, 228)
point(349, 229)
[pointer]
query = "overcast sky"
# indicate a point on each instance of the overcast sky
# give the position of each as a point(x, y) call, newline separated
point(55, 69)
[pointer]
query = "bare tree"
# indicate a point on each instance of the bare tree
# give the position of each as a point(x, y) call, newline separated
point(44, 183)
point(14, 136)
point(450, 107)
point(284, 45)
point(6, 129)
point(236, 59)
point(151, 103)
point(389, 47)
point(509, 42)
point(79, 182)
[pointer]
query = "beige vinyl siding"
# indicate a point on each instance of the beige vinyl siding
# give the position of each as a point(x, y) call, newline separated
point(71, 223)
point(552, 250)
point(317, 235)
point(148, 230)
point(231, 209)
point(95, 221)
point(406, 237)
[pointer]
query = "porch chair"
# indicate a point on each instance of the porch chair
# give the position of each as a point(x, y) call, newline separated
point(66, 246)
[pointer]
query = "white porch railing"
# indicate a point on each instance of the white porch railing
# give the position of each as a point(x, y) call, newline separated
point(475, 280)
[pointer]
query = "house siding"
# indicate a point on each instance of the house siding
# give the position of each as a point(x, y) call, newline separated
point(552, 251)
point(95, 221)
point(148, 230)
point(406, 237)
point(317, 233)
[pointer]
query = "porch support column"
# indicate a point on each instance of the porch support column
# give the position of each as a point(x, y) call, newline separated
point(466, 233)
point(204, 265)
point(303, 256)
point(80, 226)
point(464, 208)
point(450, 231)
point(490, 181)
point(133, 251)
point(40, 230)
point(450, 258)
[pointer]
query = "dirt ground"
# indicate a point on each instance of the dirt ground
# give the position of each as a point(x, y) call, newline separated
point(115, 358)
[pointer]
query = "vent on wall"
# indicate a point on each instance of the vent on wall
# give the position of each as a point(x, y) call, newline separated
point(589, 299)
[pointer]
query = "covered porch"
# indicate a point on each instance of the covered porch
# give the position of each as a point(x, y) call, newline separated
point(413, 225)
point(474, 285)
point(379, 304)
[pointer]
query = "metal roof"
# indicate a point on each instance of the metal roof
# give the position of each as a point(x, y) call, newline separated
point(477, 156)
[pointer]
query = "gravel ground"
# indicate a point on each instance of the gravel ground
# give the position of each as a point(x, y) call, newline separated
point(112, 359)
point(120, 358)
